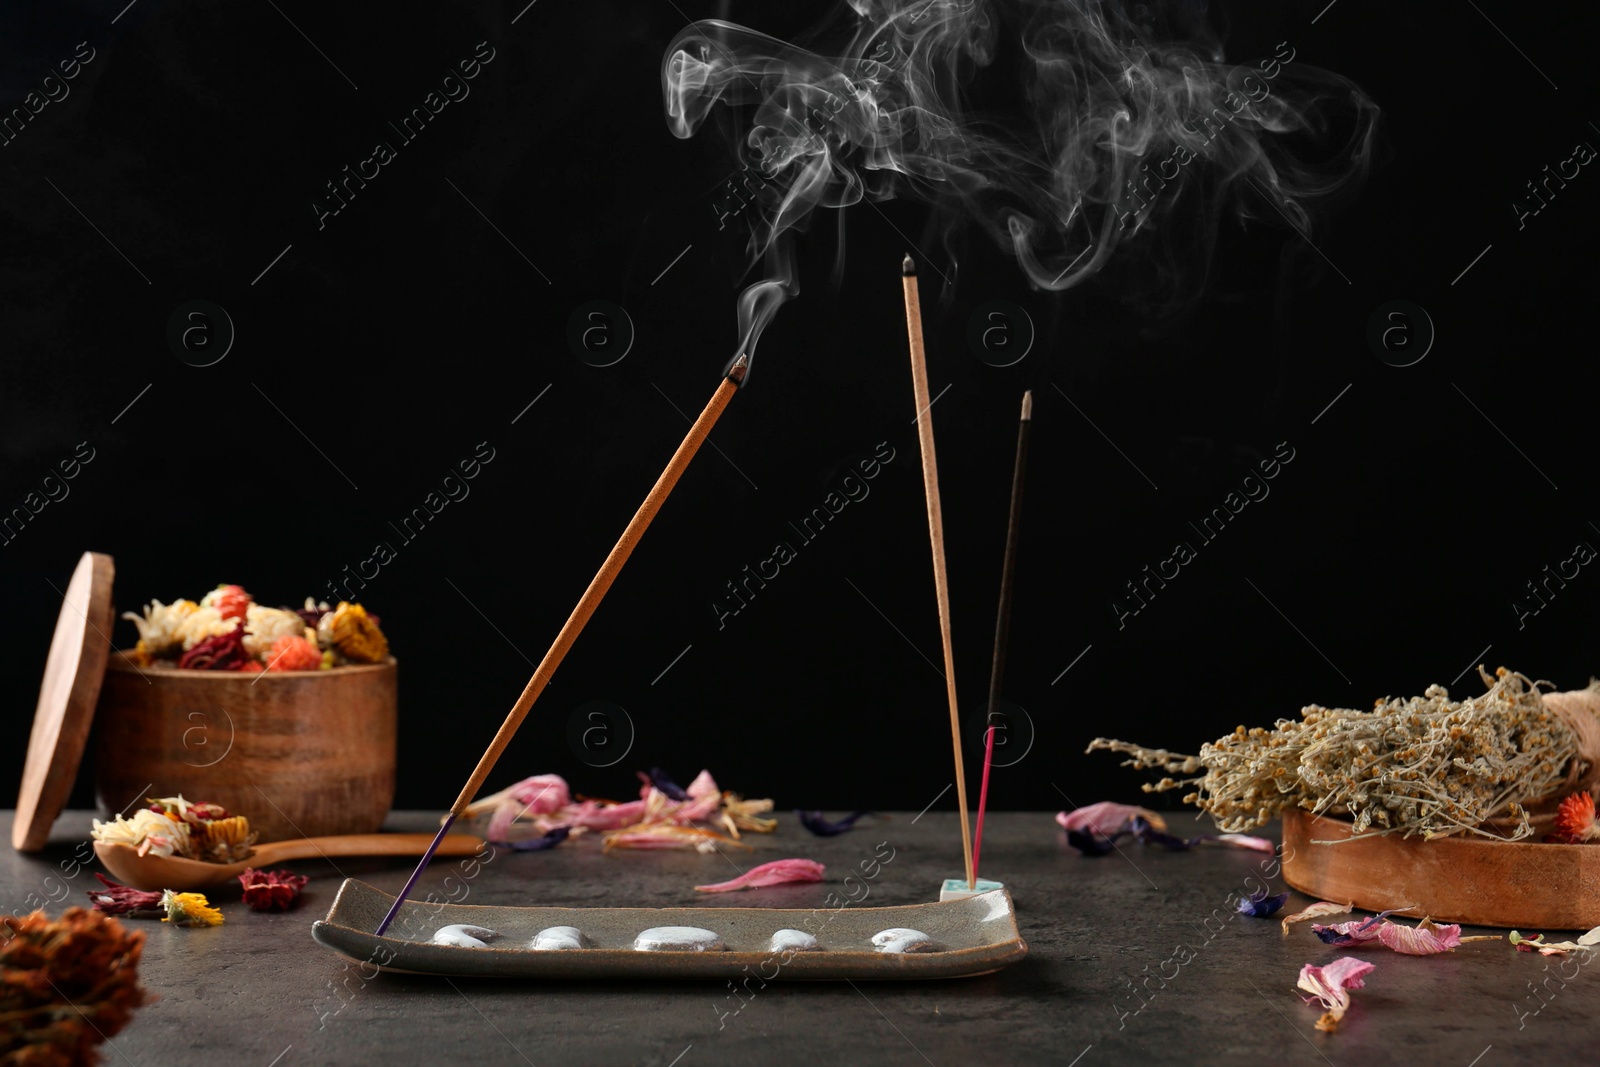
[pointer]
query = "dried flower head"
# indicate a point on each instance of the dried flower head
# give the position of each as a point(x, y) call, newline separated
point(264, 627)
point(1575, 820)
point(148, 831)
point(158, 628)
point(189, 909)
point(115, 899)
point(293, 653)
point(271, 890)
point(65, 986)
point(231, 601)
point(221, 652)
point(354, 634)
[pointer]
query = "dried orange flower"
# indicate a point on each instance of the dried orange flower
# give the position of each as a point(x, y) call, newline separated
point(353, 634)
point(1575, 820)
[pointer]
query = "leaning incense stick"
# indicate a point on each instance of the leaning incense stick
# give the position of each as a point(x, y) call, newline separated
point(941, 586)
point(1002, 621)
point(580, 615)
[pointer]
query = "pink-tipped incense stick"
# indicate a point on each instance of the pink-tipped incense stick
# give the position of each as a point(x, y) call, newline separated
point(580, 615)
point(941, 584)
point(1002, 623)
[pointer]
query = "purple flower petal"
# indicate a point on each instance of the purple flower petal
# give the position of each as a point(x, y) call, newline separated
point(1147, 833)
point(673, 790)
point(1261, 905)
point(536, 844)
point(1091, 844)
point(822, 827)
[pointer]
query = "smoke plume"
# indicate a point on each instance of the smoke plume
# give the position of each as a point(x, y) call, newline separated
point(1063, 129)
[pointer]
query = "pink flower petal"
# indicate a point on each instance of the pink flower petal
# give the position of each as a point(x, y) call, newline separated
point(1424, 939)
point(703, 786)
point(1330, 985)
point(542, 794)
point(778, 872)
point(1105, 817)
point(695, 810)
point(1354, 932)
point(1259, 844)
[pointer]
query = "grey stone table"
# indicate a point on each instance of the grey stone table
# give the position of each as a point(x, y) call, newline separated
point(1135, 958)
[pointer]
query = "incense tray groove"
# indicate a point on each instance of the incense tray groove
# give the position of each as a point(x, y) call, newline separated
point(973, 935)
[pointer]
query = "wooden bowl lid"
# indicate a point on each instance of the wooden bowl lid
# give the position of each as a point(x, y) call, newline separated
point(67, 697)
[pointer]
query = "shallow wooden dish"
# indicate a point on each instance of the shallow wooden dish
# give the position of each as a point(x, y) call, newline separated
point(1453, 879)
point(975, 935)
point(301, 753)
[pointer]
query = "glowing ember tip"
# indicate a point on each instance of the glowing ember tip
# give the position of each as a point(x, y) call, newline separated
point(738, 369)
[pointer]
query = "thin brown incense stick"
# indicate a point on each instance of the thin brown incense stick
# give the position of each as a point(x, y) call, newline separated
point(1002, 620)
point(586, 607)
point(941, 585)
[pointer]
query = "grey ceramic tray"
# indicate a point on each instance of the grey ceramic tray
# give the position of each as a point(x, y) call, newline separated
point(972, 935)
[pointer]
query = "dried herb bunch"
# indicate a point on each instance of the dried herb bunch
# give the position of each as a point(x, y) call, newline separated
point(1424, 765)
point(65, 986)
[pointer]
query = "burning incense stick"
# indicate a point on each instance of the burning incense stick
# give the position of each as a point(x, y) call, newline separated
point(580, 615)
point(1002, 621)
point(941, 586)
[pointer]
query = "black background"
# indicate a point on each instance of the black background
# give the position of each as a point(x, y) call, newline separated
point(408, 330)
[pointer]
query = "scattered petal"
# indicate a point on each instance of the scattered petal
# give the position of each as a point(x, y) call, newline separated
point(1424, 939)
point(1090, 844)
point(1106, 817)
point(658, 778)
point(1260, 904)
point(1330, 986)
point(1316, 911)
point(1354, 932)
point(668, 835)
point(536, 844)
point(117, 899)
point(1537, 943)
point(271, 890)
point(778, 872)
point(1258, 844)
point(818, 824)
point(703, 786)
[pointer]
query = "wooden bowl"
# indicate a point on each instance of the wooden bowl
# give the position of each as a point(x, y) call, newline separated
point(300, 753)
point(1452, 879)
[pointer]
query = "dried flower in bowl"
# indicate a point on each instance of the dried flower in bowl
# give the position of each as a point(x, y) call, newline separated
point(158, 629)
point(264, 627)
point(293, 653)
point(231, 601)
point(354, 634)
point(223, 652)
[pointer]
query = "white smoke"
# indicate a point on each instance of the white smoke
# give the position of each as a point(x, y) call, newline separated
point(1062, 128)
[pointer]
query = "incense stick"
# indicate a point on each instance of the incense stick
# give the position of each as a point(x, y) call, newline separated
point(941, 585)
point(580, 615)
point(1002, 621)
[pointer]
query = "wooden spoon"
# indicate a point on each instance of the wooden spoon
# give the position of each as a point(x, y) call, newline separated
point(153, 872)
